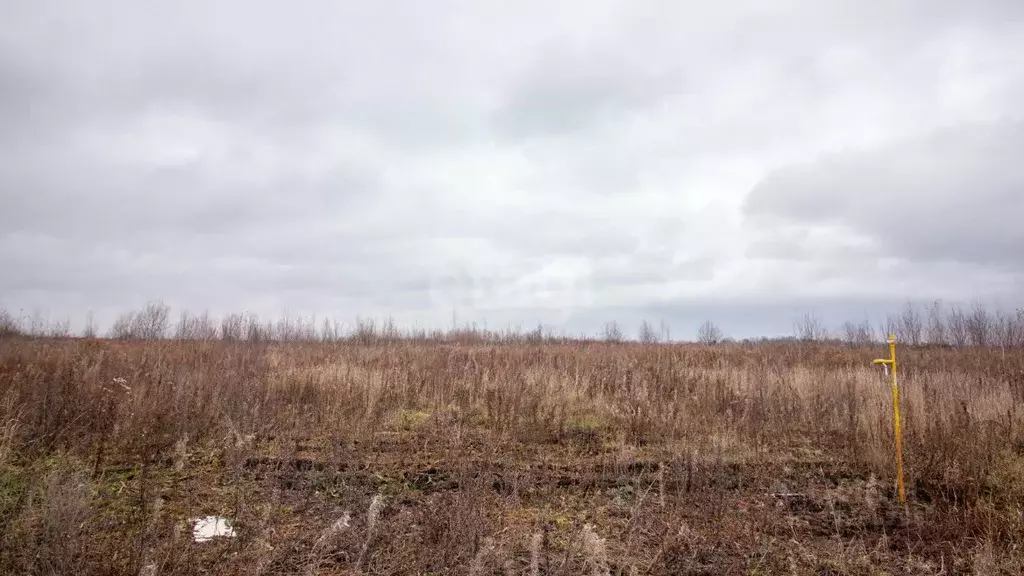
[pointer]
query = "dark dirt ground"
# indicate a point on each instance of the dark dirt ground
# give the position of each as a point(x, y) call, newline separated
point(470, 505)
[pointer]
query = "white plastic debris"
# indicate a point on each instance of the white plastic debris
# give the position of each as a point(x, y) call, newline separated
point(210, 527)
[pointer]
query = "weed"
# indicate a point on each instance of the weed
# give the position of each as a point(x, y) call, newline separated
point(724, 458)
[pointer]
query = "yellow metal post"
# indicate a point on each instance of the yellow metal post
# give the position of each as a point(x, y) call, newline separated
point(891, 363)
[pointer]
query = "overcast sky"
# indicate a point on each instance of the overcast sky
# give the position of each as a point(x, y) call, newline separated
point(565, 162)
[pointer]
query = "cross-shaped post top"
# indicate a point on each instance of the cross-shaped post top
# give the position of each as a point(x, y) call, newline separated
point(892, 352)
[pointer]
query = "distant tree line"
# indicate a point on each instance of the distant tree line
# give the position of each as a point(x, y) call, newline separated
point(936, 324)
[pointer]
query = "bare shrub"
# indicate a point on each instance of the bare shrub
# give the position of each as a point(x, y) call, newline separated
point(936, 332)
point(540, 334)
point(862, 334)
point(647, 334)
point(1018, 328)
point(191, 327)
point(298, 329)
point(122, 328)
point(257, 331)
point(1006, 332)
point(957, 325)
point(979, 326)
point(9, 325)
point(366, 331)
point(59, 329)
point(35, 325)
point(90, 329)
point(331, 331)
point(810, 327)
point(891, 327)
point(150, 323)
point(911, 326)
point(611, 332)
point(232, 328)
point(849, 330)
point(709, 333)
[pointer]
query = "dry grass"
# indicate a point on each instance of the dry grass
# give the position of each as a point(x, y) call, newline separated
point(426, 458)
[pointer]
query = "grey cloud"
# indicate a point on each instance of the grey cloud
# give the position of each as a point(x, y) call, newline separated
point(315, 129)
point(17, 92)
point(282, 71)
point(566, 89)
point(111, 274)
point(652, 270)
point(954, 195)
point(72, 200)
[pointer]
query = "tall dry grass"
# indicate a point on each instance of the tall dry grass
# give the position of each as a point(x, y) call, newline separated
point(79, 411)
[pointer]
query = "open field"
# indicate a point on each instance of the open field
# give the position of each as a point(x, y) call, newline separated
point(573, 458)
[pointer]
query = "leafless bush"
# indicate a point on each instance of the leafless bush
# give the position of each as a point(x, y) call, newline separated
point(891, 326)
point(810, 327)
point(35, 325)
point(979, 326)
point(540, 335)
point(90, 329)
point(858, 334)
point(150, 323)
point(331, 331)
point(366, 331)
point(647, 334)
point(232, 328)
point(611, 332)
point(911, 326)
point(122, 328)
point(937, 332)
point(370, 331)
point(257, 331)
point(192, 327)
point(1007, 331)
point(957, 326)
point(297, 329)
point(709, 333)
point(9, 325)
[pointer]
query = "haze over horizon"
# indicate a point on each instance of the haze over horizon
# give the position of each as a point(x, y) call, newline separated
point(563, 163)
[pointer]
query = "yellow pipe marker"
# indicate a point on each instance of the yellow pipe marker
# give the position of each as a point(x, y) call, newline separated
point(891, 361)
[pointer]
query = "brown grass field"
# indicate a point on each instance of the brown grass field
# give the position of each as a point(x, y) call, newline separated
point(418, 457)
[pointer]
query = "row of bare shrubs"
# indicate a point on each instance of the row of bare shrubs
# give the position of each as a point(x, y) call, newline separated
point(942, 325)
point(934, 324)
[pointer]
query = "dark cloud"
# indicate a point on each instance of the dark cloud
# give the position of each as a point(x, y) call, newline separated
point(956, 194)
point(18, 92)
